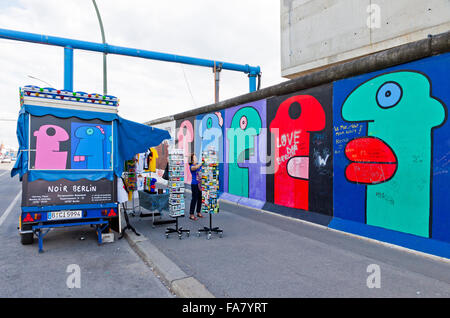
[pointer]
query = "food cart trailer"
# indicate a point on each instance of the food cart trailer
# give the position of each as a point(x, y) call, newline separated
point(72, 147)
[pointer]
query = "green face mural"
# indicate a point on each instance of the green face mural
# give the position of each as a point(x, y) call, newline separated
point(245, 126)
point(394, 160)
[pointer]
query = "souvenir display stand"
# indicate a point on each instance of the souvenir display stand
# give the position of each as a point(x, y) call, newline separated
point(210, 190)
point(128, 226)
point(137, 179)
point(155, 203)
point(130, 180)
point(127, 180)
point(141, 185)
point(176, 190)
point(148, 197)
point(150, 200)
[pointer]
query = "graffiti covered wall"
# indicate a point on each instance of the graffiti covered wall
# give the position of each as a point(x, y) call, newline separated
point(245, 150)
point(209, 132)
point(391, 146)
point(372, 150)
point(185, 140)
point(300, 127)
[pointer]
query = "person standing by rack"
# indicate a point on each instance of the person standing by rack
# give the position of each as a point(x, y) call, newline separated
point(195, 168)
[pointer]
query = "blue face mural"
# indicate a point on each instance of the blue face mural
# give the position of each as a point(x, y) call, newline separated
point(209, 133)
point(91, 146)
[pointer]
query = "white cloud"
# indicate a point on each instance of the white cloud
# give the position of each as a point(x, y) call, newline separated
point(243, 32)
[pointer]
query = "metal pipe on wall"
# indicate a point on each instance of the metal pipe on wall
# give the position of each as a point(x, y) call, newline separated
point(119, 50)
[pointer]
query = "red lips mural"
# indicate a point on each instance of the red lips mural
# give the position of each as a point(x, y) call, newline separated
point(373, 161)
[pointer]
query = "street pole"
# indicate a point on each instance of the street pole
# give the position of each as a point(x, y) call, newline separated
point(216, 71)
point(68, 68)
point(105, 86)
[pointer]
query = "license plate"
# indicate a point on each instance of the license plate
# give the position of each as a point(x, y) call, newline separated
point(64, 215)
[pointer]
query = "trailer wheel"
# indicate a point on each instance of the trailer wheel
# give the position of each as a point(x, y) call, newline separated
point(27, 238)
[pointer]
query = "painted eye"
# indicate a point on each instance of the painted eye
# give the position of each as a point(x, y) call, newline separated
point(89, 131)
point(389, 95)
point(243, 122)
point(209, 123)
point(50, 131)
point(295, 110)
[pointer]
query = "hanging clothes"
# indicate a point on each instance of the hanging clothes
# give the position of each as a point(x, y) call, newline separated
point(153, 157)
point(147, 160)
point(122, 194)
point(140, 162)
point(140, 183)
point(130, 167)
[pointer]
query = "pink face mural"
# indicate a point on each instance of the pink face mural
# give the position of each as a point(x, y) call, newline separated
point(48, 155)
point(185, 137)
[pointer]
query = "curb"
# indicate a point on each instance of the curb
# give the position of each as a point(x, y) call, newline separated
point(177, 281)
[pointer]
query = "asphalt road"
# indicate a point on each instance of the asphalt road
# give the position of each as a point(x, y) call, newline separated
point(109, 270)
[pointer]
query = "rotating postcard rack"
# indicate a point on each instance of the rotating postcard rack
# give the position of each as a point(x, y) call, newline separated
point(130, 178)
point(176, 190)
point(210, 189)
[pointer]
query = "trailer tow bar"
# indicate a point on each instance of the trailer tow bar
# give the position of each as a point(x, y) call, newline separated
point(40, 234)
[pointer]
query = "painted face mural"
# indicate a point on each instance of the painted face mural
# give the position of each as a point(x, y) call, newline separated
point(210, 132)
point(295, 119)
point(48, 139)
point(394, 160)
point(185, 138)
point(90, 146)
point(245, 126)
